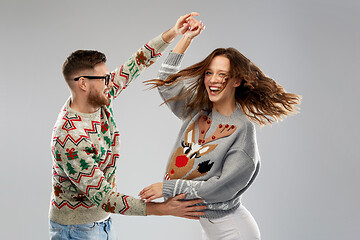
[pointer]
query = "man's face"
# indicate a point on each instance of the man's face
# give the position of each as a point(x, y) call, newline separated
point(98, 93)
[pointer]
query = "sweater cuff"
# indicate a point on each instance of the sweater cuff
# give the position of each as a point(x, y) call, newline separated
point(169, 188)
point(174, 59)
point(158, 43)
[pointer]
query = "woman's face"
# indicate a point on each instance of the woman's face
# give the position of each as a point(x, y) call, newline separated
point(220, 89)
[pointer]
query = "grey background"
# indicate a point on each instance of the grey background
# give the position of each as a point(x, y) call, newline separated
point(308, 187)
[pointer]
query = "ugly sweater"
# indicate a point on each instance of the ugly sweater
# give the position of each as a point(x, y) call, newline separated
point(215, 157)
point(85, 153)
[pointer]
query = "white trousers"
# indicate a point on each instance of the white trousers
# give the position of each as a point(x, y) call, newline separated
point(239, 225)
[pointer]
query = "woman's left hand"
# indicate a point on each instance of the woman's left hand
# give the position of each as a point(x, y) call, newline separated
point(152, 192)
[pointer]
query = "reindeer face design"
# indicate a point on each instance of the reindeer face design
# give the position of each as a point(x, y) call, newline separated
point(181, 165)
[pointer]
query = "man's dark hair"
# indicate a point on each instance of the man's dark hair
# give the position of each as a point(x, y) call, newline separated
point(81, 60)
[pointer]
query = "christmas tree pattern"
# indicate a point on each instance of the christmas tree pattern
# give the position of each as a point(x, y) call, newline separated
point(70, 169)
point(107, 140)
point(102, 151)
point(113, 122)
point(84, 165)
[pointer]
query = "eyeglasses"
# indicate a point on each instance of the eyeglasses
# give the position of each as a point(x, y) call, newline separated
point(106, 78)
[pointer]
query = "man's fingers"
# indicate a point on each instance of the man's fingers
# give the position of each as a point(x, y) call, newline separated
point(191, 14)
point(194, 14)
point(195, 214)
point(196, 208)
point(184, 28)
point(193, 202)
point(192, 217)
point(180, 196)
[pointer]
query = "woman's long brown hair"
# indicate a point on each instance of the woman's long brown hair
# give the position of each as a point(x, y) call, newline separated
point(262, 99)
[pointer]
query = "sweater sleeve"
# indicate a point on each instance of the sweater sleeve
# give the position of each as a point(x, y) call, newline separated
point(80, 164)
point(237, 173)
point(137, 63)
point(170, 66)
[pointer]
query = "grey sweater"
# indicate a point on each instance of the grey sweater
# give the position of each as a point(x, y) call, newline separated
point(215, 157)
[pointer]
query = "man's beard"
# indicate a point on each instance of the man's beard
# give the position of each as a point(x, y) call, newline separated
point(97, 99)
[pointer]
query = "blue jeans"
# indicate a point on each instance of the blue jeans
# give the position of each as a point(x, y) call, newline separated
point(95, 231)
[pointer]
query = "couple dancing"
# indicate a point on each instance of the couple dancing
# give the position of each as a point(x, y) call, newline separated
point(215, 157)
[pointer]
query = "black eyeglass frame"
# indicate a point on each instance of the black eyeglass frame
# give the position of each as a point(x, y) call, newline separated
point(106, 78)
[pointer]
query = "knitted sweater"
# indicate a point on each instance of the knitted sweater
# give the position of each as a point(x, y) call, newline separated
point(85, 153)
point(215, 157)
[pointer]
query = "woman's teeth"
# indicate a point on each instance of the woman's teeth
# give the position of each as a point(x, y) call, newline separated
point(214, 89)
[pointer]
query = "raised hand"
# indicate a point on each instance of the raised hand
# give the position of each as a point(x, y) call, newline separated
point(184, 23)
point(195, 28)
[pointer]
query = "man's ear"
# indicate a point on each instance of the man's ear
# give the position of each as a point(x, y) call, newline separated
point(82, 84)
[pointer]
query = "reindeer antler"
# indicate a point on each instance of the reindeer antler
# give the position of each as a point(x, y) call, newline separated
point(223, 130)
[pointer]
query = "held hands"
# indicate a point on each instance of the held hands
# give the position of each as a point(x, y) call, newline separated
point(152, 192)
point(188, 26)
point(191, 28)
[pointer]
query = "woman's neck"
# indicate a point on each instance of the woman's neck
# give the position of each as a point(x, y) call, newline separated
point(225, 110)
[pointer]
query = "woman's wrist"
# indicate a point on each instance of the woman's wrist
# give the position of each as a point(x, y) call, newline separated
point(182, 45)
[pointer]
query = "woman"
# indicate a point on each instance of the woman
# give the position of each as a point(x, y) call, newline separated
point(215, 157)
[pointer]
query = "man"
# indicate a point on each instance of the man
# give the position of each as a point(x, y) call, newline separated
point(85, 145)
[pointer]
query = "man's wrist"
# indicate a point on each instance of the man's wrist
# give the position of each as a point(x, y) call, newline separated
point(153, 208)
point(169, 35)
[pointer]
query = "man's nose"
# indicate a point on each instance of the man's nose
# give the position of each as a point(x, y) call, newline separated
point(111, 84)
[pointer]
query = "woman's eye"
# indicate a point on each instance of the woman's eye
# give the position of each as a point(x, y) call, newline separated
point(207, 73)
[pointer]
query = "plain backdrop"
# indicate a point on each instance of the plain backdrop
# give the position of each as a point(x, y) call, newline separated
point(308, 186)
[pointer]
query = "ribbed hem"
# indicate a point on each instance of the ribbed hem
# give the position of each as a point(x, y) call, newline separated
point(212, 214)
point(173, 59)
point(76, 216)
point(168, 188)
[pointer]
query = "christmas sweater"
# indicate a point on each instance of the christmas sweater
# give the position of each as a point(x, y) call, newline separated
point(85, 153)
point(215, 157)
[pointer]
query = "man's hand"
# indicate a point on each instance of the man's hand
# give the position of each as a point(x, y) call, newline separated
point(151, 192)
point(175, 207)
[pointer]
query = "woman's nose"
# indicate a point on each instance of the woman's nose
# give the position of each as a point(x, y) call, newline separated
point(213, 79)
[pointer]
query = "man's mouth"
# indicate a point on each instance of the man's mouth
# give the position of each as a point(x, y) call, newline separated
point(106, 92)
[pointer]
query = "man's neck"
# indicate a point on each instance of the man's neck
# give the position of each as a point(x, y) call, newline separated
point(81, 105)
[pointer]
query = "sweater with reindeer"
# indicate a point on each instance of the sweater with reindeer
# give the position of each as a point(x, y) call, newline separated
point(85, 150)
point(215, 157)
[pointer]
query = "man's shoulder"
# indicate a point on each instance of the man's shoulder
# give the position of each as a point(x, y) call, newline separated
point(70, 126)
